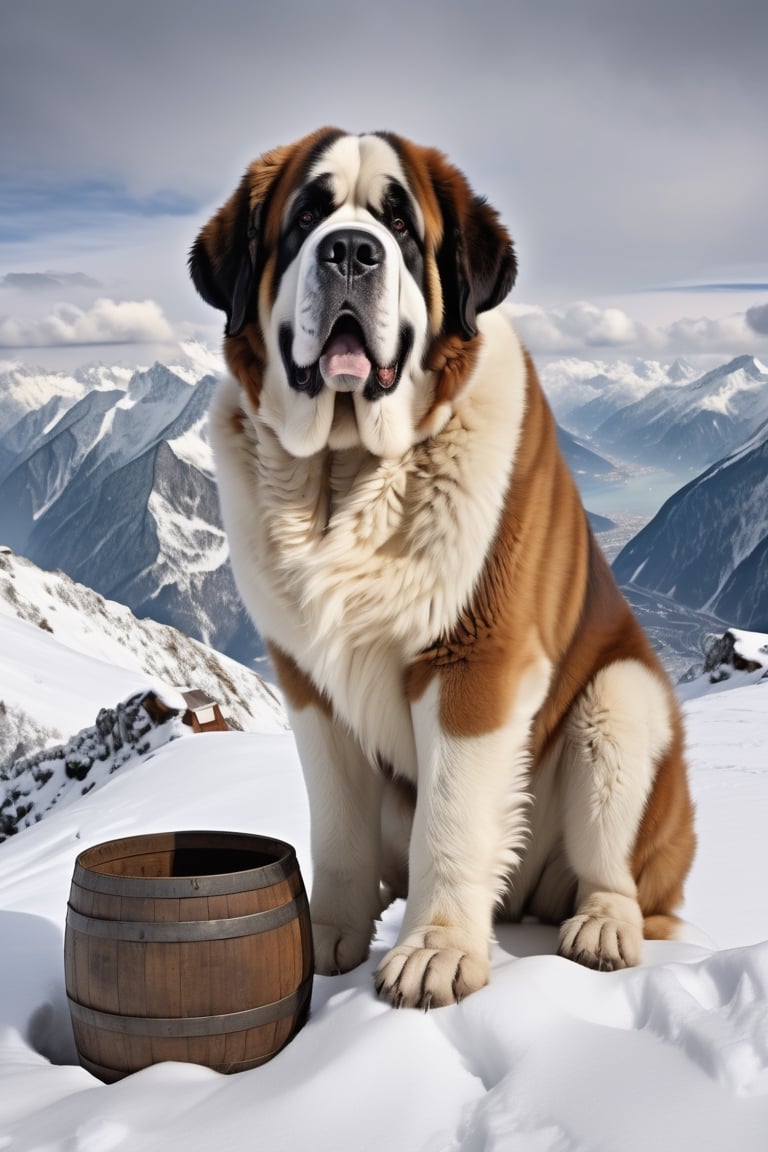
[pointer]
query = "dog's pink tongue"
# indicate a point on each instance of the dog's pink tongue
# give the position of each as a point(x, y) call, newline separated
point(345, 356)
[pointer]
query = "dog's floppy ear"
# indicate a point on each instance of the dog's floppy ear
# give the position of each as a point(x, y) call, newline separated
point(222, 262)
point(476, 258)
point(227, 258)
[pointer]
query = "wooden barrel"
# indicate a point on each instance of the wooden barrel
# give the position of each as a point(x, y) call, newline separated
point(192, 946)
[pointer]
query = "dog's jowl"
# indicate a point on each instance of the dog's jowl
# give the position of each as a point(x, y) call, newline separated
point(483, 726)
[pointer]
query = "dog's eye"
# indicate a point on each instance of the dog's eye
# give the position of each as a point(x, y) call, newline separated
point(306, 218)
point(399, 225)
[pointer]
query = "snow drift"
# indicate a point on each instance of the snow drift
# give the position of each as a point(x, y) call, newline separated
point(549, 1057)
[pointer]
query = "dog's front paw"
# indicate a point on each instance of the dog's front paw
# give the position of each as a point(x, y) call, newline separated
point(338, 948)
point(432, 967)
point(601, 937)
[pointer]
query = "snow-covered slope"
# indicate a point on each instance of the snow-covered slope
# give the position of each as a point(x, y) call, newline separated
point(731, 660)
point(121, 737)
point(549, 1057)
point(708, 545)
point(48, 623)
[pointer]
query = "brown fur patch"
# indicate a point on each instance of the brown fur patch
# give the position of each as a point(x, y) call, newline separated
point(661, 927)
point(666, 841)
point(452, 361)
point(530, 596)
point(299, 690)
point(245, 357)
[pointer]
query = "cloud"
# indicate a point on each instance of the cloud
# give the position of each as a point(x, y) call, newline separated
point(47, 281)
point(105, 322)
point(757, 319)
point(599, 327)
point(579, 325)
point(702, 334)
point(51, 206)
point(583, 326)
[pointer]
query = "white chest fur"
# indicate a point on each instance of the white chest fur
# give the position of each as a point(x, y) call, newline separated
point(353, 564)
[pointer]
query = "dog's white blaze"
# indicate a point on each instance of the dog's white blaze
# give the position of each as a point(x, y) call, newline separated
point(361, 167)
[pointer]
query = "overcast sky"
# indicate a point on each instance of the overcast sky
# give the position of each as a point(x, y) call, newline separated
point(625, 143)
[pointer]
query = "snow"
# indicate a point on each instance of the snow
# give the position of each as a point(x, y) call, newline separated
point(637, 571)
point(61, 687)
point(24, 388)
point(549, 1058)
point(571, 382)
point(751, 645)
point(198, 360)
point(193, 447)
point(731, 392)
point(48, 621)
point(199, 545)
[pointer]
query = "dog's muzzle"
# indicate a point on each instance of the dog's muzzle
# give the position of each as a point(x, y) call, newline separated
point(348, 300)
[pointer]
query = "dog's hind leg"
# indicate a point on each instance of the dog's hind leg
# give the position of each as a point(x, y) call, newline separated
point(618, 735)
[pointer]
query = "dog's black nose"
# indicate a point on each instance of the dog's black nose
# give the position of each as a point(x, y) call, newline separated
point(351, 252)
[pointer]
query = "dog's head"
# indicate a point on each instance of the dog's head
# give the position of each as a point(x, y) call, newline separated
point(351, 270)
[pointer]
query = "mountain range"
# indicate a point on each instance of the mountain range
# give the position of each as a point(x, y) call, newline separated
point(707, 547)
point(584, 393)
point(682, 424)
point(115, 487)
point(107, 475)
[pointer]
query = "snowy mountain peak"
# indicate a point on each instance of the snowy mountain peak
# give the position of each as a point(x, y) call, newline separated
point(748, 366)
point(680, 371)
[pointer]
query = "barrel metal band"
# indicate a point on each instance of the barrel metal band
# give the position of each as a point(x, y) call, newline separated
point(188, 1026)
point(183, 931)
point(184, 887)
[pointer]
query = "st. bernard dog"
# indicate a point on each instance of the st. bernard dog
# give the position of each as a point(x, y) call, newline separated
point(483, 726)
